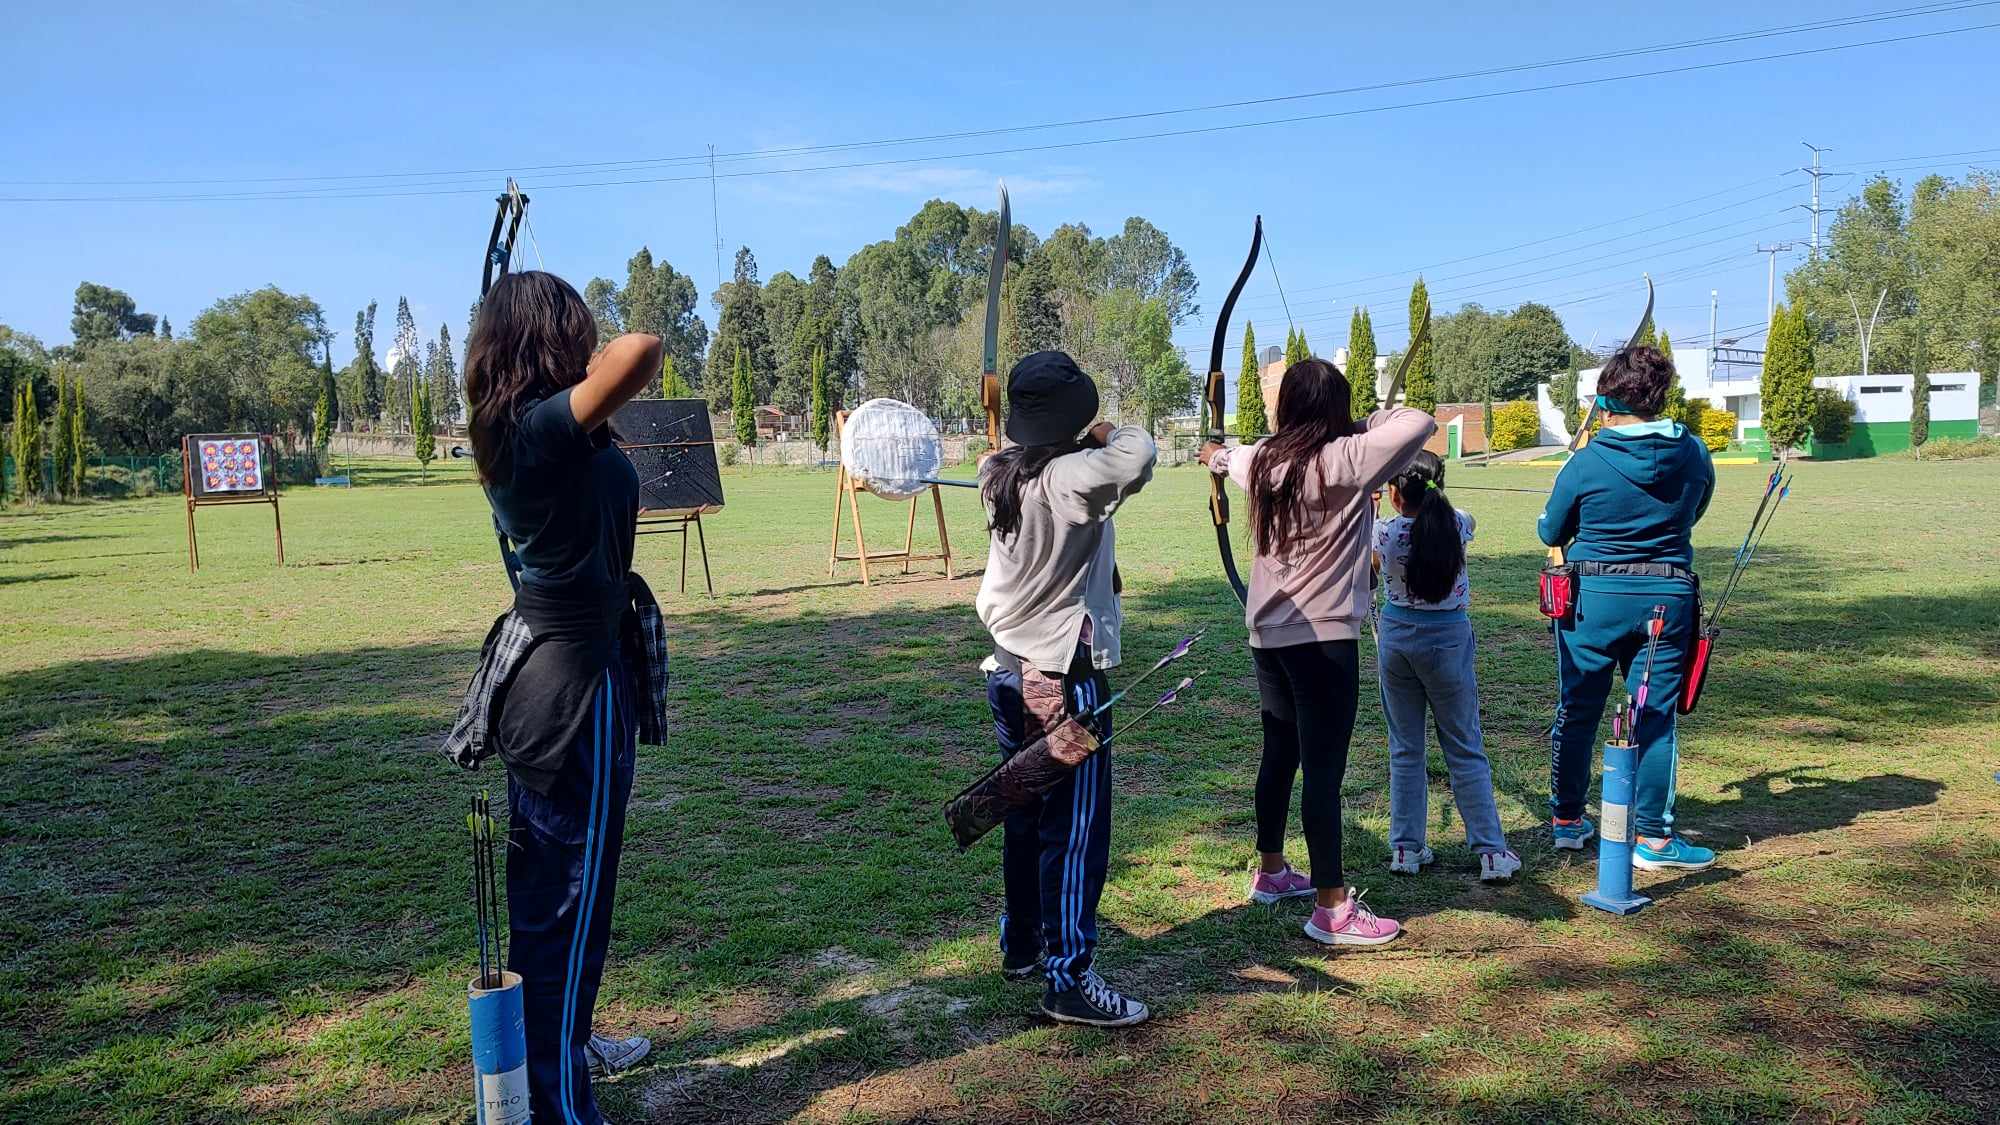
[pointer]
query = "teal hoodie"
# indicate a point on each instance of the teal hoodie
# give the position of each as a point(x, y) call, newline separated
point(1632, 495)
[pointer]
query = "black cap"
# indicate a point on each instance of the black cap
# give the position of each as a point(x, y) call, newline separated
point(1049, 400)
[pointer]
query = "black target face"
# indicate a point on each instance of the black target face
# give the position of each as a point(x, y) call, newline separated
point(672, 446)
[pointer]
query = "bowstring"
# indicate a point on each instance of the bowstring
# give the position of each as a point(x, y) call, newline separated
point(1272, 261)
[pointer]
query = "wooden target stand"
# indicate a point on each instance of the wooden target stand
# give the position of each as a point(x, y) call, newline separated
point(196, 491)
point(846, 488)
point(653, 521)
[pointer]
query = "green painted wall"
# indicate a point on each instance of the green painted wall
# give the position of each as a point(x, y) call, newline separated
point(1873, 439)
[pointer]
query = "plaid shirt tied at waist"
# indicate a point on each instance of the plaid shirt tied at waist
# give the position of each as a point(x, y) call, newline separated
point(643, 642)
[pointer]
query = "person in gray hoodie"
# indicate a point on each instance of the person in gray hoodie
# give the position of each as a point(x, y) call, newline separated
point(1050, 599)
point(1311, 488)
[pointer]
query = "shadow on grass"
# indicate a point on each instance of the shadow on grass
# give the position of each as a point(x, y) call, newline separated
point(234, 886)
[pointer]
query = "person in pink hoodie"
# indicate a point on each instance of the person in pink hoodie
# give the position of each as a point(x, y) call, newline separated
point(1311, 514)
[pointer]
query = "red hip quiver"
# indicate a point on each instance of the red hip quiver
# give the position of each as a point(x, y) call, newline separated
point(1557, 592)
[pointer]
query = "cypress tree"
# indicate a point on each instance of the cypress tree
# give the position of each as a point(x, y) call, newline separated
point(1677, 398)
point(742, 403)
point(671, 383)
point(1296, 348)
point(822, 407)
point(1786, 389)
point(77, 440)
point(1920, 390)
point(1250, 413)
point(423, 425)
point(61, 445)
point(327, 410)
point(28, 442)
point(1361, 363)
point(1420, 385)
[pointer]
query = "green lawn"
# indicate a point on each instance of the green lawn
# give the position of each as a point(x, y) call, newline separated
point(233, 877)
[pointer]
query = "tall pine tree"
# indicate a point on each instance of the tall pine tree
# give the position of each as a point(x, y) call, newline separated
point(444, 382)
point(1250, 419)
point(1786, 389)
point(742, 402)
point(1420, 385)
point(369, 409)
point(1361, 362)
point(1920, 387)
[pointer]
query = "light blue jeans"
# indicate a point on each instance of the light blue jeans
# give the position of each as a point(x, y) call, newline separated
point(1424, 659)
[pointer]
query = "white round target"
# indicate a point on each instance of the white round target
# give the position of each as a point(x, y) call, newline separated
point(889, 448)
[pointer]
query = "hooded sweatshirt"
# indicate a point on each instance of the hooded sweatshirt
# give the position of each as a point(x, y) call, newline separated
point(1319, 591)
point(1632, 495)
point(1045, 582)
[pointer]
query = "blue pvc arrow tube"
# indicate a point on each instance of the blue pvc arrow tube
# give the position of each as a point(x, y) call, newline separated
point(1614, 836)
point(499, 1052)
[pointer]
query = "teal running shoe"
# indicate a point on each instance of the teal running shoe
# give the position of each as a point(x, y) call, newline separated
point(1675, 854)
point(1572, 835)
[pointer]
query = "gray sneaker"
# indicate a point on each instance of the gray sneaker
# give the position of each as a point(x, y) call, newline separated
point(610, 1056)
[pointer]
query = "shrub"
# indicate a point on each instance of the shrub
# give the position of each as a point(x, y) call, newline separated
point(1515, 426)
point(1833, 416)
point(118, 482)
point(725, 453)
point(1692, 412)
point(1955, 449)
point(1718, 429)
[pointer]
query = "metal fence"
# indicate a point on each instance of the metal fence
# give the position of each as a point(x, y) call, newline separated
point(120, 475)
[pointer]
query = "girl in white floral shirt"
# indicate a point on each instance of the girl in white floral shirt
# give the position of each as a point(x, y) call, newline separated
point(1424, 657)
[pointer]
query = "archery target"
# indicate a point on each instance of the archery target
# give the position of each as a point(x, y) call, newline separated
point(890, 447)
point(227, 464)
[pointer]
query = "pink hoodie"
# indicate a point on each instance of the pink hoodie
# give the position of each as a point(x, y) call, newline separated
point(1320, 592)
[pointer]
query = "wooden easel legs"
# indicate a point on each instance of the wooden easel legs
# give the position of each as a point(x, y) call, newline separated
point(845, 490)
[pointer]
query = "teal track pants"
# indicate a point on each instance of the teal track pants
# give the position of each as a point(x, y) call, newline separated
point(1608, 635)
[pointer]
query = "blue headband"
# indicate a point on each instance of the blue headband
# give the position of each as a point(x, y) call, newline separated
point(1615, 405)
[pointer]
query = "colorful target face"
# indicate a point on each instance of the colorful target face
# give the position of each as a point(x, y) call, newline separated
point(229, 464)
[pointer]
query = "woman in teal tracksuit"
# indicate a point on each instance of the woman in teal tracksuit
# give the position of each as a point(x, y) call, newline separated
point(1625, 506)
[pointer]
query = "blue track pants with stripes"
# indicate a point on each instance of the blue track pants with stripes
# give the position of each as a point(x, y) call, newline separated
point(1607, 638)
point(562, 874)
point(1054, 855)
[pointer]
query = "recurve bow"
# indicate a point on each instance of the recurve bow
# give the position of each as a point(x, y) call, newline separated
point(989, 372)
point(1590, 415)
point(1214, 402)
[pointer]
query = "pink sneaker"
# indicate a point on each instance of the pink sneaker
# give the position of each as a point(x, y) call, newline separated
point(1350, 923)
point(1267, 887)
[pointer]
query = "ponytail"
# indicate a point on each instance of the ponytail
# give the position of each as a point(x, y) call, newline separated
point(1437, 552)
point(1007, 473)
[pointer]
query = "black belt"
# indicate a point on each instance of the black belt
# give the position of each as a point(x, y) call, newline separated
point(1638, 570)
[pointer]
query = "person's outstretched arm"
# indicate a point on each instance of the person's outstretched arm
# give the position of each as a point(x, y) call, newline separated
point(617, 375)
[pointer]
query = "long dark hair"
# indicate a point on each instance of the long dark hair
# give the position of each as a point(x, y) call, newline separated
point(1437, 553)
point(1313, 409)
point(534, 337)
point(1008, 472)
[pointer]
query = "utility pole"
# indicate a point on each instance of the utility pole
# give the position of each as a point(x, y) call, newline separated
point(1817, 174)
point(1771, 283)
point(1711, 338)
point(715, 217)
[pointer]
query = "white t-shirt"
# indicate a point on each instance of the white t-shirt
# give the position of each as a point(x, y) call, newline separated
point(1392, 542)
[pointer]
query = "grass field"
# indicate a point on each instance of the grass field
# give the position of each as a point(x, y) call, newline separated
point(233, 878)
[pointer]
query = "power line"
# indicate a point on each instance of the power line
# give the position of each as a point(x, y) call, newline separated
point(586, 167)
point(1457, 99)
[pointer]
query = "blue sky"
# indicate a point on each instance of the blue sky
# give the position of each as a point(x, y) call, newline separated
point(1682, 175)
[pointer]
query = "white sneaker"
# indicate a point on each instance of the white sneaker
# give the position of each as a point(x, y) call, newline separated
point(1498, 867)
point(608, 1056)
point(1409, 861)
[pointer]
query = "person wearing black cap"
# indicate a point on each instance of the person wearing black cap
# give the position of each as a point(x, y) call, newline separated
point(1050, 600)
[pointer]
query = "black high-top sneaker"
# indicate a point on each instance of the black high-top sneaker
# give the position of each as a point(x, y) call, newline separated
point(1018, 967)
point(1094, 1003)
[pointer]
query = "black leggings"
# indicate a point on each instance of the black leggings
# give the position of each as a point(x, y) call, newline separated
point(1309, 693)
